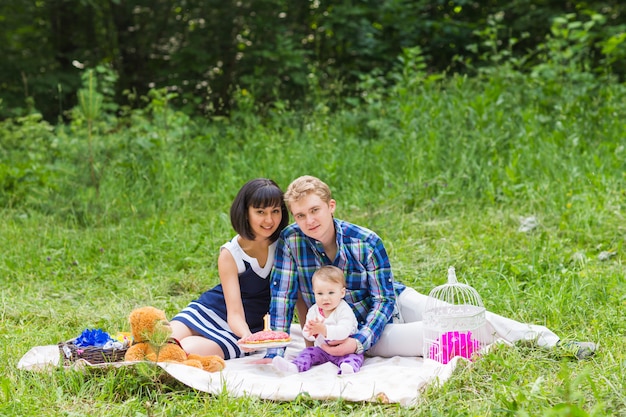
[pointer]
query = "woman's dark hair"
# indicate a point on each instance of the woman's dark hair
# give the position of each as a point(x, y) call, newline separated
point(257, 193)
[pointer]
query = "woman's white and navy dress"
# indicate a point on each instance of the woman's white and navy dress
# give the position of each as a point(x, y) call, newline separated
point(207, 314)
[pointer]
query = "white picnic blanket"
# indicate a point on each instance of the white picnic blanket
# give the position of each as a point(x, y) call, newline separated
point(394, 380)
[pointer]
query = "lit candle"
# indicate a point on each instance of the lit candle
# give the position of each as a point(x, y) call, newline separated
point(266, 322)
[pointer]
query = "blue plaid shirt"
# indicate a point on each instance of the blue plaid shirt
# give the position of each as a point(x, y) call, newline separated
point(370, 288)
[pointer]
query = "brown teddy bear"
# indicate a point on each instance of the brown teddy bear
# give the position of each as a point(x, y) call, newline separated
point(152, 342)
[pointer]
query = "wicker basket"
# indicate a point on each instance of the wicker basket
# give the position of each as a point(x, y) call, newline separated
point(92, 354)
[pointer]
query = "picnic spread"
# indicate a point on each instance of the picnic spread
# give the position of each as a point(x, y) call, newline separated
point(393, 380)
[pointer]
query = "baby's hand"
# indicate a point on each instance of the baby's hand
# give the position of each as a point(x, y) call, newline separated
point(315, 327)
point(307, 328)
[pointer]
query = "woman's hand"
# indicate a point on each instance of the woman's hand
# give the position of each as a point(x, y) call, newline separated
point(245, 349)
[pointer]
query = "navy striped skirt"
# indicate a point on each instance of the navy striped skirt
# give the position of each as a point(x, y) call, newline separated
point(205, 322)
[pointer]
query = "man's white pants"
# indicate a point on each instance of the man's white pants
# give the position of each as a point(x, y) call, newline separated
point(405, 338)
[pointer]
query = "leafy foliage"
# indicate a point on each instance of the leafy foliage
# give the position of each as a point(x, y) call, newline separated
point(29, 155)
point(281, 51)
point(558, 109)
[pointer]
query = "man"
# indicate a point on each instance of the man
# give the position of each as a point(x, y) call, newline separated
point(389, 313)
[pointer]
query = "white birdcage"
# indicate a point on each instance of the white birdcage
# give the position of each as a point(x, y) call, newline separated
point(453, 317)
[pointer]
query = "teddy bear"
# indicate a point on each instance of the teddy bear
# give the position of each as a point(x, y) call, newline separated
point(151, 333)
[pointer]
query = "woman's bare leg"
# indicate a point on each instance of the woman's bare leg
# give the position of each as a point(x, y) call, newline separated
point(193, 343)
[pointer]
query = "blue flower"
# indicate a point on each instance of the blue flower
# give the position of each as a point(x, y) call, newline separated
point(92, 337)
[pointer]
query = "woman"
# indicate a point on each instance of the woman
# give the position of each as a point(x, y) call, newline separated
point(212, 324)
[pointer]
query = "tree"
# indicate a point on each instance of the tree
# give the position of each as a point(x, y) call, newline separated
point(204, 50)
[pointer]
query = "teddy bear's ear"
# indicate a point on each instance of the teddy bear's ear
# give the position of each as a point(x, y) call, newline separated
point(135, 315)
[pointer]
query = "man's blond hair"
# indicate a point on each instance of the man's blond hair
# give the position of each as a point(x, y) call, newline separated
point(305, 185)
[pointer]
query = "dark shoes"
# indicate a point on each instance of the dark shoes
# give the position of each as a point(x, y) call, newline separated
point(575, 349)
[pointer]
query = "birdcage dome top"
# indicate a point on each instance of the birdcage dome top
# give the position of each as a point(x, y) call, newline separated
point(453, 299)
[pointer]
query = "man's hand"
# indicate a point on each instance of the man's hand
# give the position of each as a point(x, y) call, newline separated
point(340, 347)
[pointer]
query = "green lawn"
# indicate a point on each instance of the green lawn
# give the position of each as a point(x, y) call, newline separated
point(443, 173)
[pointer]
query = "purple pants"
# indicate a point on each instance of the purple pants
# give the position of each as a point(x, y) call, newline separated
point(312, 356)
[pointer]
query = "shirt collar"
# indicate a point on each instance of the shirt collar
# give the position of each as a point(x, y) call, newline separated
point(317, 246)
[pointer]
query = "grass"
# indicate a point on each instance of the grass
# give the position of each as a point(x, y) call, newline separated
point(443, 174)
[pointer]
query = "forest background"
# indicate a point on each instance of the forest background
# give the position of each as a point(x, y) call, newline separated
point(205, 50)
point(485, 135)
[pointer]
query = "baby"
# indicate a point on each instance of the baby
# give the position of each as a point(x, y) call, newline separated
point(329, 319)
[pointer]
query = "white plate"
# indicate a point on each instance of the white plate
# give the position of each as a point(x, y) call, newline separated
point(265, 345)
